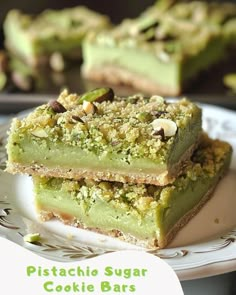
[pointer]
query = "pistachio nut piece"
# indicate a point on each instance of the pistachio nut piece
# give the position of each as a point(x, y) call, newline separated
point(89, 107)
point(39, 132)
point(159, 132)
point(32, 238)
point(57, 106)
point(144, 117)
point(97, 95)
point(167, 125)
point(77, 119)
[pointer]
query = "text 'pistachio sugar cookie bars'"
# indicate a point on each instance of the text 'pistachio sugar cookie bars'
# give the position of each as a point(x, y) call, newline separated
point(101, 136)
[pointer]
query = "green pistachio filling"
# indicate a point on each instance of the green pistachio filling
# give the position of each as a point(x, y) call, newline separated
point(118, 135)
point(144, 211)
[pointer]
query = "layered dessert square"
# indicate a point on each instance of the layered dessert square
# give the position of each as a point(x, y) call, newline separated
point(163, 49)
point(36, 38)
point(143, 214)
point(98, 135)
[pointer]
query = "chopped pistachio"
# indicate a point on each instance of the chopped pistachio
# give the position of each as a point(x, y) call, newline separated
point(77, 119)
point(132, 99)
point(167, 125)
point(31, 238)
point(98, 95)
point(89, 107)
point(144, 117)
point(159, 132)
point(157, 114)
point(40, 133)
point(57, 106)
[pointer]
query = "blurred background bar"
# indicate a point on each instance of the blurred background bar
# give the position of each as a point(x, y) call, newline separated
point(117, 10)
point(207, 88)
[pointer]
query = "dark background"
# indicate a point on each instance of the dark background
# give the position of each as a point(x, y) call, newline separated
point(116, 10)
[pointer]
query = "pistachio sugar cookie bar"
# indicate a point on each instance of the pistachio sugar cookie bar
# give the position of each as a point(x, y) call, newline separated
point(36, 39)
point(163, 49)
point(143, 214)
point(98, 135)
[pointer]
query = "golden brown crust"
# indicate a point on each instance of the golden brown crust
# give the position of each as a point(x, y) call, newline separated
point(117, 76)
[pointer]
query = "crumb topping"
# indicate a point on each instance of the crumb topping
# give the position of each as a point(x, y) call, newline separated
point(122, 125)
point(206, 161)
point(173, 31)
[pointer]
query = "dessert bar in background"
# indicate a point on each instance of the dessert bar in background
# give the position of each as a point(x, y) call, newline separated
point(165, 48)
point(51, 34)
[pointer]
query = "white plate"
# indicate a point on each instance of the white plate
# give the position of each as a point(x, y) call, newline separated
point(204, 247)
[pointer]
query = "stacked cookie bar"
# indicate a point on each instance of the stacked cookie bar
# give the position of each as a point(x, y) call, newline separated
point(137, 168)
